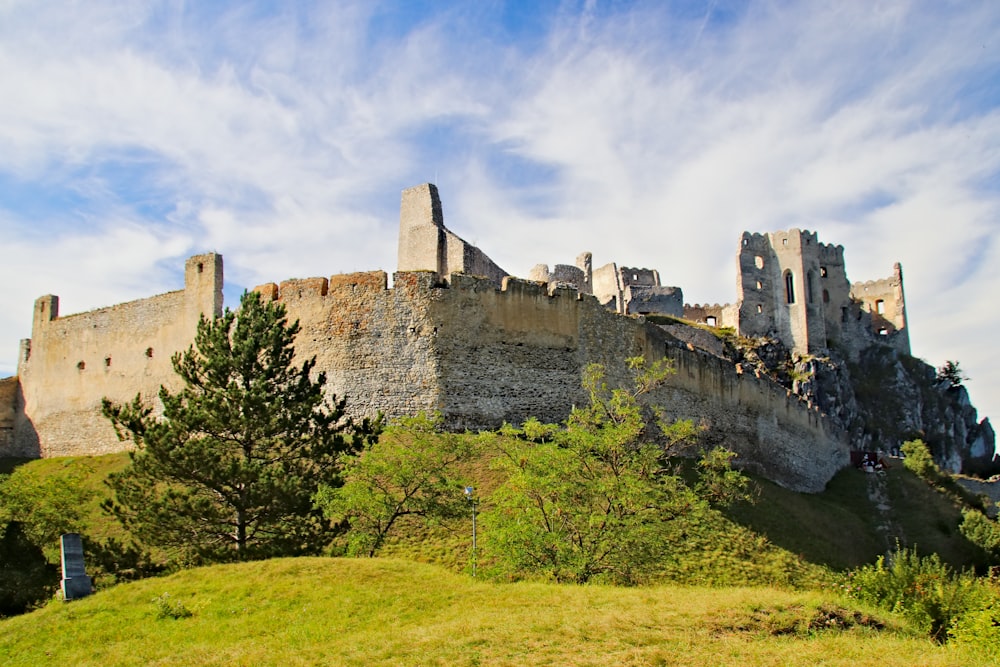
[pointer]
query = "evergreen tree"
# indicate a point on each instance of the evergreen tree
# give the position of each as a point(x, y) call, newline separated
point(229, 471)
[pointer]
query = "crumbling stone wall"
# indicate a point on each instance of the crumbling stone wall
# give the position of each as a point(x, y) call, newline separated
point(772, 431)
point(484, 356)
point(8, 410)
point(885, 305)
point(779, 288)
point(714, 315)
point(425, 244)
point(375, 344)
point(794, 288)
point(72, 362)
point(623, 290)
point(454, 333)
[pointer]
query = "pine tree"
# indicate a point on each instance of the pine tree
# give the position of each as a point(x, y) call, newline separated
point(229, 471)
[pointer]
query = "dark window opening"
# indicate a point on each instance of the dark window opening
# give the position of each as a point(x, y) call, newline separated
point(80, 366)
point(107, 362)
point(789, 287)
point(149, 352)
point(843, 314)
point(201, 267)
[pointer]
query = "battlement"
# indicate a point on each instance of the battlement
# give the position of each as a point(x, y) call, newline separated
point(829, 252)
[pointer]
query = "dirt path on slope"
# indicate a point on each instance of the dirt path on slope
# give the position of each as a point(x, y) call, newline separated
point(887, 528)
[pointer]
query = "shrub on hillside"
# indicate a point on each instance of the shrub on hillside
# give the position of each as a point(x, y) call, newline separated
point(925, 590)
point(980, 629)
point(983, 532)
point(918, 460)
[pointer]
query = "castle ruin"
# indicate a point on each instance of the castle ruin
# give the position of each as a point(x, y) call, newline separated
point(457, 334)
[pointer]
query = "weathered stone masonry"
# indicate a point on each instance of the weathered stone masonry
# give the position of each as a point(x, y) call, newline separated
point(484, 356)
point(482, 350)
point(71, 362)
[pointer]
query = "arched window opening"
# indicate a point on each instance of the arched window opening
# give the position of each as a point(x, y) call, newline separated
point(822, 272)
point(760, 309)
point(760, 285)
point(789, 287)
point(758, 262)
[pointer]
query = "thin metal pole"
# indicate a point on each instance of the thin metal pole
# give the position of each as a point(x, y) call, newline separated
point(473, 538)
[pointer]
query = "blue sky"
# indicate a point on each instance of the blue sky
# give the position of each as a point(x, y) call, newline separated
point(135, 134)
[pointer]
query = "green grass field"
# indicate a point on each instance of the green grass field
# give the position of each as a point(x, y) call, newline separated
point(417, 603)
point(328, 611)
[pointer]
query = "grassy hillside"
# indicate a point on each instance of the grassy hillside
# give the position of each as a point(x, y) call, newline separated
point(322, 611)
point(784, 538)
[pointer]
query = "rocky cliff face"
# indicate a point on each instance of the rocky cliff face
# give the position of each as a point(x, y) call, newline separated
point(881, 401)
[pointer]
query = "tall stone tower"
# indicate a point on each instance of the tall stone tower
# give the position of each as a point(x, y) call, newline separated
point(795, 288)
point(425, 244)
point(781, 285)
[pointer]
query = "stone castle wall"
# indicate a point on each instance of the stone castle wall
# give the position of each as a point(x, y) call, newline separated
point(885, 307)
point(373, 343)
point(72, 362)
point(9, 389)
point(454, 333)
point(484, 356)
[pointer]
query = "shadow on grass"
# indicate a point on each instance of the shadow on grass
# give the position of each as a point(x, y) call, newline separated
point(838, 528)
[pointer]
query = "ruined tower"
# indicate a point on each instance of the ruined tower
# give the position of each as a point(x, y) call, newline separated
point(792, 287)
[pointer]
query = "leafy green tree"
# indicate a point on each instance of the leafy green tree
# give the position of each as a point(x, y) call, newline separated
point(410, 471)
point(918, 460)
point(45, 506)
point(229, 471)
point(594, 499)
